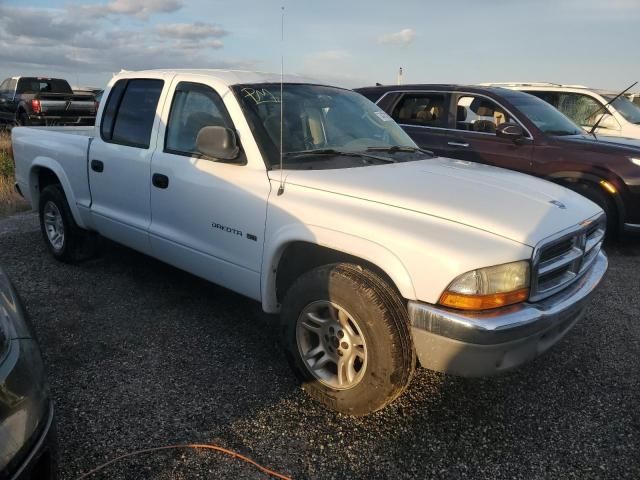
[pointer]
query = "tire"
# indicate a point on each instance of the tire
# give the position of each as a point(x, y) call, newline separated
point(22, 119)
point(600, 198)
point(378, 354)
point(71, 244)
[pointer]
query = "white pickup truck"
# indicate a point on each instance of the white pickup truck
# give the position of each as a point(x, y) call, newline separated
point(373, 251)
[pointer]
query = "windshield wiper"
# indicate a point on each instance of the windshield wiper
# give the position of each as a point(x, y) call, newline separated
point(606, 110)
point(333, 152)
point(399, 148)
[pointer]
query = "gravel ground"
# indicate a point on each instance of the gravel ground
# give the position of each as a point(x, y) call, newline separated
point(143, 355)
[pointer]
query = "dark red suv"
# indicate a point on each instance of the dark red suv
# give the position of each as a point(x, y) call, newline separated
point(515, 130)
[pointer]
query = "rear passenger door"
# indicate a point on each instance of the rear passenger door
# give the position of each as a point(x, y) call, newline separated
point(120, 161)
point(7, 94)
point(424, 116)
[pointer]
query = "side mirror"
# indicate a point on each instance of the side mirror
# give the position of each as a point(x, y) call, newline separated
point(510, 131)
point(219, 143)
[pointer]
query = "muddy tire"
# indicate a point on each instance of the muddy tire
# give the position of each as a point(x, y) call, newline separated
point(347, 338)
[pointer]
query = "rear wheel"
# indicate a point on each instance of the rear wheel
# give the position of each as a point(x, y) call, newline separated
point(347, 338)
point(22, 119)
point(65, 240)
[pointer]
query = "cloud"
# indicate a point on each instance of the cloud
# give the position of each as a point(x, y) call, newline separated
point(39, 23)
point(403, 37)
point(55, 40)
point(191, 31)
point(142, 9)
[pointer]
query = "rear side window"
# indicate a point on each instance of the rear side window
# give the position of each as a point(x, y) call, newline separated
point(423, 109)
point(194, 107)
point(130, 112)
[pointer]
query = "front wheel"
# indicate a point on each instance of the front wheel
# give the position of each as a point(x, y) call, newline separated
point(347, 338)
point(600, 198)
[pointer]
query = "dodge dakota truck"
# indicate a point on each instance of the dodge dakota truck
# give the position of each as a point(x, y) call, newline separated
point(308, 198)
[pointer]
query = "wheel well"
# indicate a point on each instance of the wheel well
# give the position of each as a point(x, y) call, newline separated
point(46, 177)
point(301, 257)
point(41, 178)
point(575, 183)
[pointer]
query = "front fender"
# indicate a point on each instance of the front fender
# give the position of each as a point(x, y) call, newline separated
point(363, 248)
point(55, 167)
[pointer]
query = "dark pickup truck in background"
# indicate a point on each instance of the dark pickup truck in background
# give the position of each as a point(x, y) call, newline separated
point(44, 101)
point(518, 131)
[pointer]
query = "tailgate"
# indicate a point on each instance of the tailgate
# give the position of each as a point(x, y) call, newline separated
point(64, 105)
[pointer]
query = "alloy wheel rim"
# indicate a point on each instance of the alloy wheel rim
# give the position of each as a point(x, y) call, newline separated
point(54, 226)
point(331, 345)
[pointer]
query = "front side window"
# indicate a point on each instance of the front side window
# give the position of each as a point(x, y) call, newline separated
point(480, 114)
point(194, 107)
point(422, 109)
point(315, 118)
point(629, 110)
point(130, 112)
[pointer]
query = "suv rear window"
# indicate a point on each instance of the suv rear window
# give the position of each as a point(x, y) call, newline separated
point(130, 111)
point(43, 85)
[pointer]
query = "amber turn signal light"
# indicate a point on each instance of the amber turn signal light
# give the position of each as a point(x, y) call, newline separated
point(483, 302)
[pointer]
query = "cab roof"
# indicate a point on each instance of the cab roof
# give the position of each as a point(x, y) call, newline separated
point(228, 77)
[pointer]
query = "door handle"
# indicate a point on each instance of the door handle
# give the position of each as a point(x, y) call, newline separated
point(159, 180)
point(458, 144)
point(97, 166)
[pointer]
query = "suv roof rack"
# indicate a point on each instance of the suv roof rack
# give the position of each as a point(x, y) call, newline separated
point(529, 84)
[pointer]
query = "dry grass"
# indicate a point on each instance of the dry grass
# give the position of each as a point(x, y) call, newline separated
point(10, 201)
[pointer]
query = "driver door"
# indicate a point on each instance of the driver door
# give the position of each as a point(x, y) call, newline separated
point(207, 217)
point(475, 139)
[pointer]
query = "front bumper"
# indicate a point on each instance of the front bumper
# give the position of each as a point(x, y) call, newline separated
point(631, 227)
point(40, 459)
point(486, 343)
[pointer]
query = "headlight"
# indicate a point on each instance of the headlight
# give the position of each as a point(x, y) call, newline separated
point(635, 161)
point(490, 287)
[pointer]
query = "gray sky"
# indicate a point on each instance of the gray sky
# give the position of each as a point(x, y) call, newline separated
point(350, 43)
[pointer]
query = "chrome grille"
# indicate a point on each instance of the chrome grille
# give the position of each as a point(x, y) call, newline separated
point(562, 259)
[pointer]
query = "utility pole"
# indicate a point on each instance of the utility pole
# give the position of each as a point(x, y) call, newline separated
point(400, 76)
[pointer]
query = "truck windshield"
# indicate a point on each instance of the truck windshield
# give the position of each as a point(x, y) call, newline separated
point(544, 116)
point(43, 85)
point(626, 108)
point(317, 120)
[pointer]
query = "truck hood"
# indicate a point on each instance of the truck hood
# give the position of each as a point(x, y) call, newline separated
point(503, 202)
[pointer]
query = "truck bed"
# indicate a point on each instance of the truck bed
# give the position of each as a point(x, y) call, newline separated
point(64, 150)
